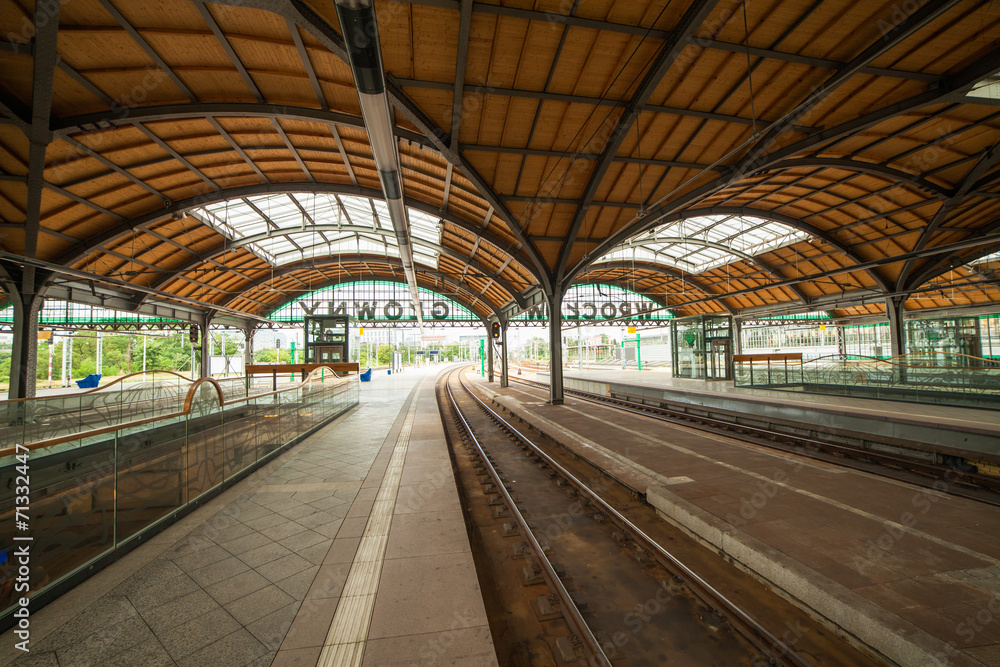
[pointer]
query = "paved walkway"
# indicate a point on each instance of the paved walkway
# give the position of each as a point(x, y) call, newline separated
point(270, 572)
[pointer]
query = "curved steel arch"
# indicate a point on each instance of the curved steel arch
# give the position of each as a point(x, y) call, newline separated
point(936, 269)
point(667, 271)
point(948, 86)
point(238, 243)
point(746, 257)
point(82, 250)
point(873, 168)
point(83, 122)
point(445, 279)
point(613, 283)
point(653, 220)
point(303, 15)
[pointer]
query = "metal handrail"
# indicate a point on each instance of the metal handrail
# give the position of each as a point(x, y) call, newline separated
point(91, 391)
point(188, 400)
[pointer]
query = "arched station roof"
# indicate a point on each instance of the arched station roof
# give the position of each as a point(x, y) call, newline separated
point(533, 140)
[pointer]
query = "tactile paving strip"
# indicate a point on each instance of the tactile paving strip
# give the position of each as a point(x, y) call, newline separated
point(345, 642)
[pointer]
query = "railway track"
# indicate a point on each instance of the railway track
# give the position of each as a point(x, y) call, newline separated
point(592, 586)
point(955, 479)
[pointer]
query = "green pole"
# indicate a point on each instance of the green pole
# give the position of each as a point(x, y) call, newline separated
point(638, 353)
point(482, 358)
point(293, 351)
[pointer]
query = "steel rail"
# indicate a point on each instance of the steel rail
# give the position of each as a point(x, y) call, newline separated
point(810, 446)
point(741, 621)
point(568, 608)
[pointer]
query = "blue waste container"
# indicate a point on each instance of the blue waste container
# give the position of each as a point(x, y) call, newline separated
point(366, 376)
point(89, 382)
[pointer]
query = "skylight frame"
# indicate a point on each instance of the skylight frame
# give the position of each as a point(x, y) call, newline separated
point(365, 223)
point(702, 243)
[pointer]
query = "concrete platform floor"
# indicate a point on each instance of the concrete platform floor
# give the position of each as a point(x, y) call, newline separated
point(349, 549)
point(914, 572)
point(938, 415)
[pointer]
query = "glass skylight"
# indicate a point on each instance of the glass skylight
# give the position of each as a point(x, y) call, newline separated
point(287, 228)
point(988, 88)
point(991, 259)
point(695, 245)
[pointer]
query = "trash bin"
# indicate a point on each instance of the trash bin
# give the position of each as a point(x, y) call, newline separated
point(89, 382)
point(366, 376)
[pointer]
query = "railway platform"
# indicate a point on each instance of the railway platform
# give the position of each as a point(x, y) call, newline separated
point(962, 431)
point(911, 572)
point(348, 549)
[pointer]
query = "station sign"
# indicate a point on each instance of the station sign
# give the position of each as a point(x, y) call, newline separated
point(599, 311)
point(374, 310)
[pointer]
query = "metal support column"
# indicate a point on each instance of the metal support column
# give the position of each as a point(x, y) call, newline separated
point(737, 336)
point(504, 379)
point(248, 333)
point(489, 355)
point(897, 333)
point(100, 354)
point(24, 353)
point(206, 350)
point(555, 348)
point(26, 304)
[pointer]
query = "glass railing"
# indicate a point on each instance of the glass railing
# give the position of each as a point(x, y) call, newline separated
point(92, 492)
point(129, 398)
point(943, 378)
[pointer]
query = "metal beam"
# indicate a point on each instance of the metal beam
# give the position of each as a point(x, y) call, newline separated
point(144, 45)
point(536, 263)
point(692, 19)
point(770, 54)
point(343, 153)
point(986, 161)
point(393, 262)
point(16, 110)
point(992, 240)
point(121, 284)
point(687, 279)
point(935, 95)
point(464, 24)
point(874, 168)
point(585, 156)
point(291, 149)
point(86, 122)
point(199, 201)
point(935, 267)
point(39, 134)
point(307, 63)
point(481, 270)
point(434, 135)
point(547, 96)
point(746, 257)
point(86, 150)
point(228, 48)
point(177, 156)
point(898, 33)
point(236, 147)
point(80, 200)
